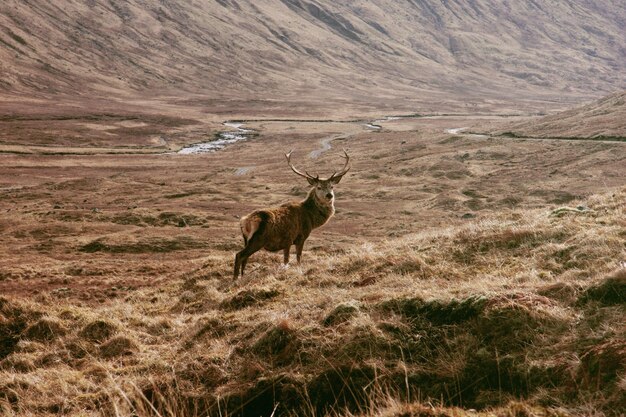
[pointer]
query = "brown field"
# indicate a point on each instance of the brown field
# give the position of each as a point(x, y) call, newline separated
point(459, 273)
point(476, 263)
point(603, 119)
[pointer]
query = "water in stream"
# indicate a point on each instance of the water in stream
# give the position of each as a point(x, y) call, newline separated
point(224, 139)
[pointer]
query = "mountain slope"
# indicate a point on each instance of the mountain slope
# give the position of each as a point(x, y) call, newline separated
point(602, 119)
point(381, 50)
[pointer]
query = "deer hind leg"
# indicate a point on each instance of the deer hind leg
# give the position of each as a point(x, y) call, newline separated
point(249, 226)
point(254, 245)
point(241, 259)
point(244, 262)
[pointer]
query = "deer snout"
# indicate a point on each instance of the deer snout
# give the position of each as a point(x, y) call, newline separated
point(329, 196)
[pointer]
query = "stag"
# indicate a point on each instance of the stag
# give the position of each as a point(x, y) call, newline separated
point(278, 228)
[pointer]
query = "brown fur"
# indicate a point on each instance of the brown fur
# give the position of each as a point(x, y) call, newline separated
point(279, 228)
point(249, 225)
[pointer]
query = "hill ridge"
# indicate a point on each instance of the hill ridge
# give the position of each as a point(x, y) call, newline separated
point(288, 49)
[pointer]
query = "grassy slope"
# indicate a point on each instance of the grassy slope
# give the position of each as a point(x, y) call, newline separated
point(315, 52)
point(518, 306)
point(602, 119)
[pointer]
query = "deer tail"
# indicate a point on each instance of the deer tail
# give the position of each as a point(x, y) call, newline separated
point(253, 224)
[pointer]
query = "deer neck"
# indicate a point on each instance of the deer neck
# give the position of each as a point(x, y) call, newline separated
point(320, 211)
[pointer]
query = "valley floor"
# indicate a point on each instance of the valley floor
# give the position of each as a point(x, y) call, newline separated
point(459, 273)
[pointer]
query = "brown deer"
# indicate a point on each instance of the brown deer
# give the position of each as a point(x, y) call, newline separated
point(290, 224)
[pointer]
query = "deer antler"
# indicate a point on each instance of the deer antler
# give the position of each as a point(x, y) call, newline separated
point(305, 174)
point(345, 168)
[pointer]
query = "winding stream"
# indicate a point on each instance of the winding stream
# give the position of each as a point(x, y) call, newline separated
point(325, 145)
point(224, 139)
point(459, 131)
point(227, 138)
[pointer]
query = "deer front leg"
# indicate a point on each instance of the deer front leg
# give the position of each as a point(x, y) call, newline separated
point(286, 255)
point(299, 247)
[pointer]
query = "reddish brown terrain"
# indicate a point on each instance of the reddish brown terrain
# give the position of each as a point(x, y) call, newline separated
point(181, 207)
point(318, 57)
point(603, 119)
point(476, 262)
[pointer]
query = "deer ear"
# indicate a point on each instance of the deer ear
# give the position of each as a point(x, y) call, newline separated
point(335, 180)
point(312, 181)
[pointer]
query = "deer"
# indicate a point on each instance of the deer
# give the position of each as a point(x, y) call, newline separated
point(279, 228)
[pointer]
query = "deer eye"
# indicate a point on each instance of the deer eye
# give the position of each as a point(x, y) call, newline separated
point(319, 187)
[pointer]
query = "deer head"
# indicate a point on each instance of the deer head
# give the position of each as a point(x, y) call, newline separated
point(323, 187)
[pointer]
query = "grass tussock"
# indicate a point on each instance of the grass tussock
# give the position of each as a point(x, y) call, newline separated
point(118, 346)
point(508, 316)
point(98, 331)
point(151, 245)
point(145, 219)
point(248, 298)
point(44, 330)
point(610, 291)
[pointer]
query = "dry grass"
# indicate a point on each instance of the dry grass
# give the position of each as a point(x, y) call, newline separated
point(603, 119)
point(443, 283)
point(452, 281)
point(515, 315)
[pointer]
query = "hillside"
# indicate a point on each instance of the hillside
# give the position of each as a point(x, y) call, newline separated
point(314, 54)
point(602, 119)
point(515, 316)
point(443, 283)
point(463, 274)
